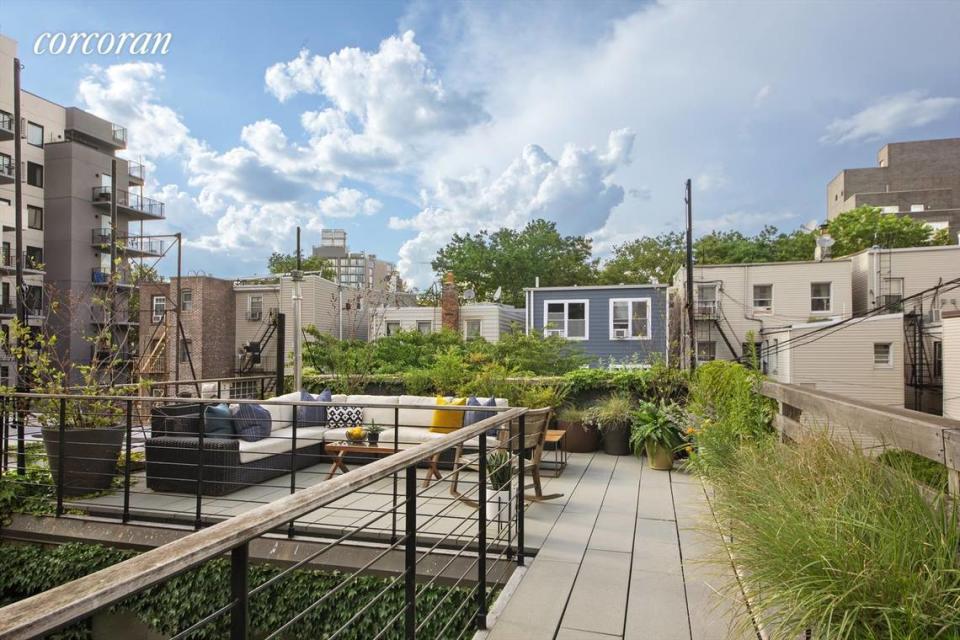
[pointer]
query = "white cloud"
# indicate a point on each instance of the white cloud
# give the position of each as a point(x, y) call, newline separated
point(575, 191)
point(890, 115)
point(762, 94)
point(349, 203)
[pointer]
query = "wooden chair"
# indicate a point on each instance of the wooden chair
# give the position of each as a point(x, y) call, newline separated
point(535, 425)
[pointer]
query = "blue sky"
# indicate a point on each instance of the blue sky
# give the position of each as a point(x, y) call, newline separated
point(407, 122)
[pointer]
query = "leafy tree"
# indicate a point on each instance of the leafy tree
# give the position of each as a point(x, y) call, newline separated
point(287, 262)
point(513, 259)
point(864, 227)
point(645, 259)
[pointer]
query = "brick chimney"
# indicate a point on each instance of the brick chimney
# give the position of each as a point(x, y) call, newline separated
point(450, 304)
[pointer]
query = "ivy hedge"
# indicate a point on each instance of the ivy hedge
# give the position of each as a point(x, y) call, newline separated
point(26, 570)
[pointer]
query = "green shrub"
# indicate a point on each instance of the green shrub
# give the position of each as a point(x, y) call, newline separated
point(189, 597)
point(656, 423)
point(613, 412)
point(921, 469)
point(831, 541)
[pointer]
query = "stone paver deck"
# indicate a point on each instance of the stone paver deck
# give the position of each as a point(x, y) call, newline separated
point(625, 558)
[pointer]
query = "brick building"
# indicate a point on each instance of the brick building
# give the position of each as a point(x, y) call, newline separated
point(207, 314)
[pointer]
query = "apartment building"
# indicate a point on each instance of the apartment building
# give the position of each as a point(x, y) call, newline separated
point(732, 301)
point(359, 270)
point(920, 179)
point(206, 344)
point(337, 310)
point(70, 171)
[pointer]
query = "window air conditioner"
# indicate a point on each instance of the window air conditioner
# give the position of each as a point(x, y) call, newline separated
point(620, 334)
point(555, 332)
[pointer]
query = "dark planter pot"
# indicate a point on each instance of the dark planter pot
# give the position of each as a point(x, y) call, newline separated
point(373, 438)
point(581, 438)
point(90, 458)
point(616, 441)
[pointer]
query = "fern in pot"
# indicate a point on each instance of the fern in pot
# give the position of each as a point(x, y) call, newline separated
point(656, 429)
point(612, 418)
point(498, 487)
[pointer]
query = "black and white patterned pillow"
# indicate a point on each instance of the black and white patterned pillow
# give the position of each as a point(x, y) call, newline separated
point(343, 417)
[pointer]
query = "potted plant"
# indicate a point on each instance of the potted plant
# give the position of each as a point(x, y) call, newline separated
point(581, 437)
point(91, 431)
point(498, 489)
point(656, 429)
point(612, 418)
point(373, 433)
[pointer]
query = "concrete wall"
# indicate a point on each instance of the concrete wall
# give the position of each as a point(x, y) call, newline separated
point(951, 365)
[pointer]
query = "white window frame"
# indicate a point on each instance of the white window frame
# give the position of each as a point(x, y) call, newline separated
point(566, 318)
point(479, 333)
point(395, 324)
point(186, 299)
point(630, 335)
point(702, 343)
point(154, 318)
point(883, 365)
point(829, 308)
point(420, 331)
point(250, 311)
point(768, 310)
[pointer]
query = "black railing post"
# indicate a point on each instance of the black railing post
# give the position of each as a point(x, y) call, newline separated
point(482, 536)
point(263, 384)
point(126, 464)
point(239, 592)
point(219, 389)
point(61, 445)
point(293, 463)
point(197, 523)
point(520, 489)
point(410, 556)
point(5, 445)
point(396, 447)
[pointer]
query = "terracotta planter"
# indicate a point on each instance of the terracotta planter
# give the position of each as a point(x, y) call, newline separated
point(616, 440)
point(90, 458)
point(580, 438)
point(659, 457)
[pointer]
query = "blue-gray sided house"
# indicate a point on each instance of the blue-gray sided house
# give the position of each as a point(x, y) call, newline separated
point(619, 324)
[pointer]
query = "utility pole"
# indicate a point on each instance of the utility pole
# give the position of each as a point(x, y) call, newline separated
point(691, 328)
point(18, 255)
point(297, 302)
point(115, 273)
point(176, 308)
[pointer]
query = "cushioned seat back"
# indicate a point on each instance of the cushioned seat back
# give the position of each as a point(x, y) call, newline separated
point(281, 415)
point(417, 417)
point(382, 416)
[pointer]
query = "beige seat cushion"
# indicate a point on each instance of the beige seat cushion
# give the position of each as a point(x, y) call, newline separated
point(279, 441)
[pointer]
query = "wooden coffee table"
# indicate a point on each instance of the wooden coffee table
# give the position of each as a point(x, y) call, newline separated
point(344, 448)
point(556, 438)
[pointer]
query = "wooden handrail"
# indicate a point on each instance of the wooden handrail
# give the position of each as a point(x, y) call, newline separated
point(933, 437)
point(50, 610)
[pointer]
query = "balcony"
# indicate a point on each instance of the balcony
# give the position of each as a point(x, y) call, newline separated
point(121, 317)
point(6, 126)
point(133, 246)
point(32, 264)
point(131, 204)
point(706, 309)
point(8, 310)
point(7, 175)
point(119, 135)
point(103, 278)
point(136, 172)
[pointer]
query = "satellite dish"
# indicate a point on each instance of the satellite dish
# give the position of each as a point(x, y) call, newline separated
point(469, 294)
point(825, 241)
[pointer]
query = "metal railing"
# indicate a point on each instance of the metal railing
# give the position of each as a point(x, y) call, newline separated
point(129, 200)
point(136, 170)
point(706, 308)
point(119, 133)
point(101, 276)
point(31, 261)
point(103, 237)
point(420, 536)
point(7, 170)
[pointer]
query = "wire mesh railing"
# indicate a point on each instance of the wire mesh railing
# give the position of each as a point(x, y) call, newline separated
point(439, 513)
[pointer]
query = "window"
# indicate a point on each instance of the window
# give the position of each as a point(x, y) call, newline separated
point(393, 328)
point(6, 165)
point(471, 329)
point(185, 350)
point(763, 298)
point(566, 318)
point(424, 326)
point(34, 258)
point(890, 209)
point(916, 207)
point(7, 256)
point(158, 305)
point(186, 299)
point(819, 297)
point(937, 225)
point(34, 134)
point(34, 217)
point(773, 356)
point(630, 319)
point(882, 354)
point(255, 308)
point(892, 295)
point(937, 359)
point(34, 174)
point(706, 351)
point(6, 294)
point(106, 181)
point(33, 300)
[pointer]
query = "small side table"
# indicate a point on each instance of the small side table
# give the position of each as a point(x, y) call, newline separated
point(556, 438)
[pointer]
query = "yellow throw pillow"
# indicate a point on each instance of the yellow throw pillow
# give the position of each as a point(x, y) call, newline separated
point(447, 421)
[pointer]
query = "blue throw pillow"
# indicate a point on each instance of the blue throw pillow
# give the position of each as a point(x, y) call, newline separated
point(251, 422)
point(217, 421)
point(472, 417)
point(315, 416)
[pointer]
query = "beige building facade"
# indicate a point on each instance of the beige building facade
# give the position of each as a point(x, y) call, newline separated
point(481, 320)
point(951, 364)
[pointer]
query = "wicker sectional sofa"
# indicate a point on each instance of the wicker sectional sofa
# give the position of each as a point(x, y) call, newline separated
point(174, 462)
